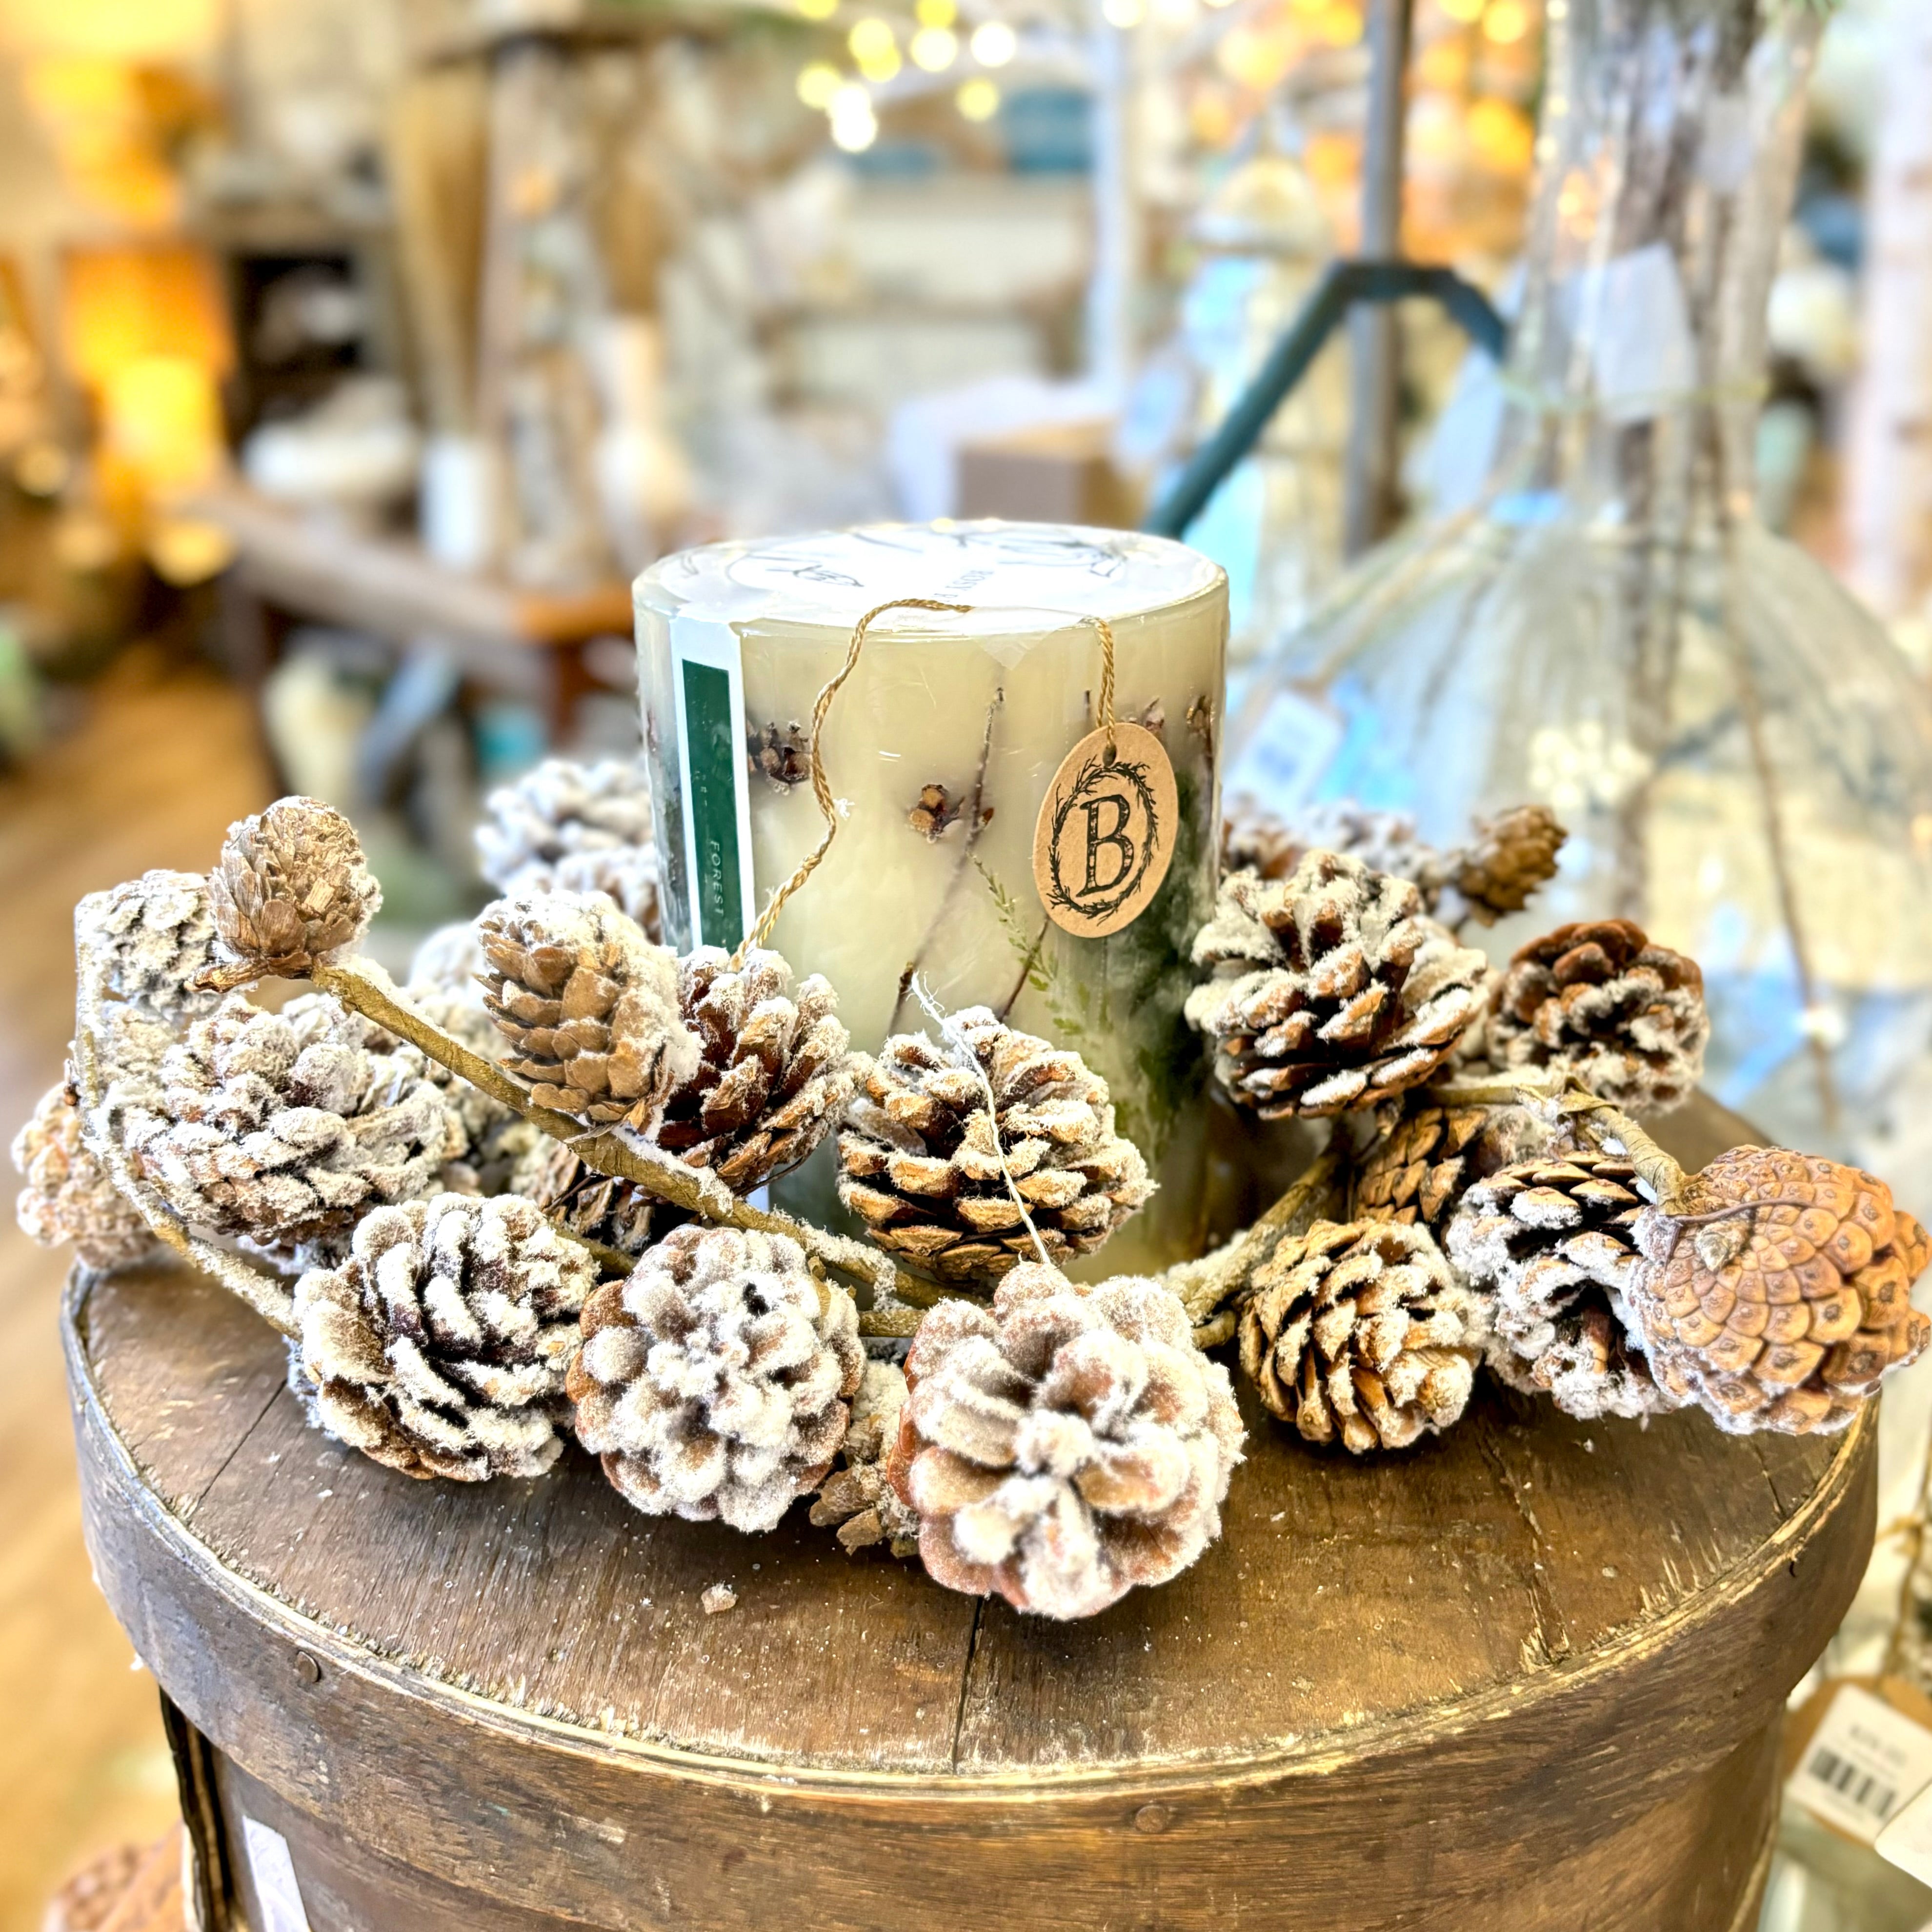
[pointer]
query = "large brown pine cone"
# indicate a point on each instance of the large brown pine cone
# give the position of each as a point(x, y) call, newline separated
point(776, 1072)
point(1418, 1169)
point(1599, 1001)
point(1778, 1291)
point(714, 1382)
point(290, 888)
point(589, 1005)
point(1553, 1242)
point(1358, 1330)
point(1331, 990)
point(1066, 1447)
point(151, 939)
point(924, 1164)
point(68, 1196)
point(440, 1346)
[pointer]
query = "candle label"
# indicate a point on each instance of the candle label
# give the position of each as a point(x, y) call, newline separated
point(1105, 836)
point(708, 680)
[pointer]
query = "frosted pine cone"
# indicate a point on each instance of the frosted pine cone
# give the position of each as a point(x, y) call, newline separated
point(291, 888)
point(588, 1006)
point(1511, 857)
point(252, 1133)
point(1778, 1291)
point(1359, 1331)
point(1418, 1168)
point(776, 1072)
point(1064, 1448)
point(924, 1163)
point(858, 1500)
point(1330, 991)
point(151, 939)
point(568, 827)
point(440, 1346)
point(450, 961)
point(1253, 839)
point(67, 1196)
point(597, 1207)
point(1552, 1243)
point(714, 1381)
point(1601, 1002)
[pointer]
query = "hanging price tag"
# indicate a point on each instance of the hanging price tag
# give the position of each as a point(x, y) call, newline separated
point(1105, 836)
point(1863, 1759)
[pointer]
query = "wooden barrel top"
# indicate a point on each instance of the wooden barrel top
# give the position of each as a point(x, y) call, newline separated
point(1570, 1615)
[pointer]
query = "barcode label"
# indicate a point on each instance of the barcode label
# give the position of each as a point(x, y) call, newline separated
point(1863, 1763)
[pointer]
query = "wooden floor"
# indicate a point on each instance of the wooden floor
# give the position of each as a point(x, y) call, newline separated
point(160, 765)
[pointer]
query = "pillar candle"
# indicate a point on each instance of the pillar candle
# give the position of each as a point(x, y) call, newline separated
point(940, 747)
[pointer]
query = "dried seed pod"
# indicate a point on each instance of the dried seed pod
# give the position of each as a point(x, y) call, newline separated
point(1064, 1448)
point(68, 1196)
point(1778, 1291)
point(1358, 1331)
point(291, 888)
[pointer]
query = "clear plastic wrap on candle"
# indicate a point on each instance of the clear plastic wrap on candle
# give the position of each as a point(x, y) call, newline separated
point(940, 747)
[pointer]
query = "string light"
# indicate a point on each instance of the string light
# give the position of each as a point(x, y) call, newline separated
point(818, 85)
point(817, 9)
point(978, 100)
point(1465, 12)
point(854, 126)
point(936, 12)
point(993, 43)
point(872, 39)
point(935, 49)
point(1122, 13)
point(1506, 23)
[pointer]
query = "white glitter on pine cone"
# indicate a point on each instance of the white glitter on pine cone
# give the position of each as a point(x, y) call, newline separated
point(440, 1347)
point(68, 1196)
point(150, 939)
point(1066, 1446)
point(292, 887)
point(714, 1382)
point(567, 826)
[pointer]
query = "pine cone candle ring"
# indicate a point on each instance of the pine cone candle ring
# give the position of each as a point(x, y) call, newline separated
point(924, 1164)
point(440, 1346)
point(1066, 1447)
point(775, 1070)
point(588, 1006)
point(1601, 1002)
point(1330, 991)
point(714, 1381)
point(67, 1196)
point(152, 939)
point(1358, 1331)
point(1552, 1243)
point(290, 888)
point(1777, 1291)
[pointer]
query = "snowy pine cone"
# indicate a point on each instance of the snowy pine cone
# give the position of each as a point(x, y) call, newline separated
point(291, 888)
point(565, 826)
point(152, 938)
point(1427, 1155)
point(68, 1196)
point(714, 1381)
point(440, 1346)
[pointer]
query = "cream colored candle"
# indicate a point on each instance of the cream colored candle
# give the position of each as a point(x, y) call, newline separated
point(940, 747)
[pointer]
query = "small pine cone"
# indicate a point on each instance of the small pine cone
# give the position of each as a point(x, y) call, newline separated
point(68, 1197)
point(776, 1072)
point(597, 1207)
point(291, 888)
point(1778, 1291)
point(857, 1500)
point(1552, 1243)
point(1599, 1001)
point(281, 1131)
point(568, 827)
point(714, 1381)
point(449, 961)
point(1064, 1448)
point(440, 1346)
point(1359, 1331)
point(152, 939)
point(1511, 855)
point(1253, 839)
point(1330, 991)
point(1419, 1168)
point(924, 1163)
point(588, 1006)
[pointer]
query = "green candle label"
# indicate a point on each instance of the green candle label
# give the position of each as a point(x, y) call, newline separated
point(708, 681)
point(1105, 836)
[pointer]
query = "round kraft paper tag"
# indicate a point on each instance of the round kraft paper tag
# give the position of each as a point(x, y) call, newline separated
point(1104, 838)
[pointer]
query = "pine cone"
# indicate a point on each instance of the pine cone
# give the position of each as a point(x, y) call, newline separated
point(68, 1197)
point(1427, 1155)
point(1360, 1331)
point(152, 938)
point(923, 1164)
point(588, 1006)
point(291, 888)
point(249, 1131)
point(1778, 1291)
point(450, 960)
point(1552, 1243)
point(1330, 991)
point(1254, 839)
point(568, 827)
point(1599, 1001)
point(714, 1381)
point(776, 1071)
point(596, 1206)
point(1511, 855)
point(858, 1500)
point(440, 1346)
point(1070, 1444)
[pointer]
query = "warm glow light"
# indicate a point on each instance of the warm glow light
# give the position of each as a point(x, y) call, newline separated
point(871, 38)
point(818, 10)
point(1211, 116)
point(1502, 135)
point(936, 12)
point(978, 100)
point(881, 67)
point(935, 49)
point(1257, 57)
point(1506, 22)
point(993, 43)
point(1339, 26)
point(1122, 13)
point(854, 126)
point(819, 84)
point(1467, 11)
point(1444, 65)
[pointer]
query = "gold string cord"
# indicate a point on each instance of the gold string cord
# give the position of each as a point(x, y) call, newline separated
point(1106, 631)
